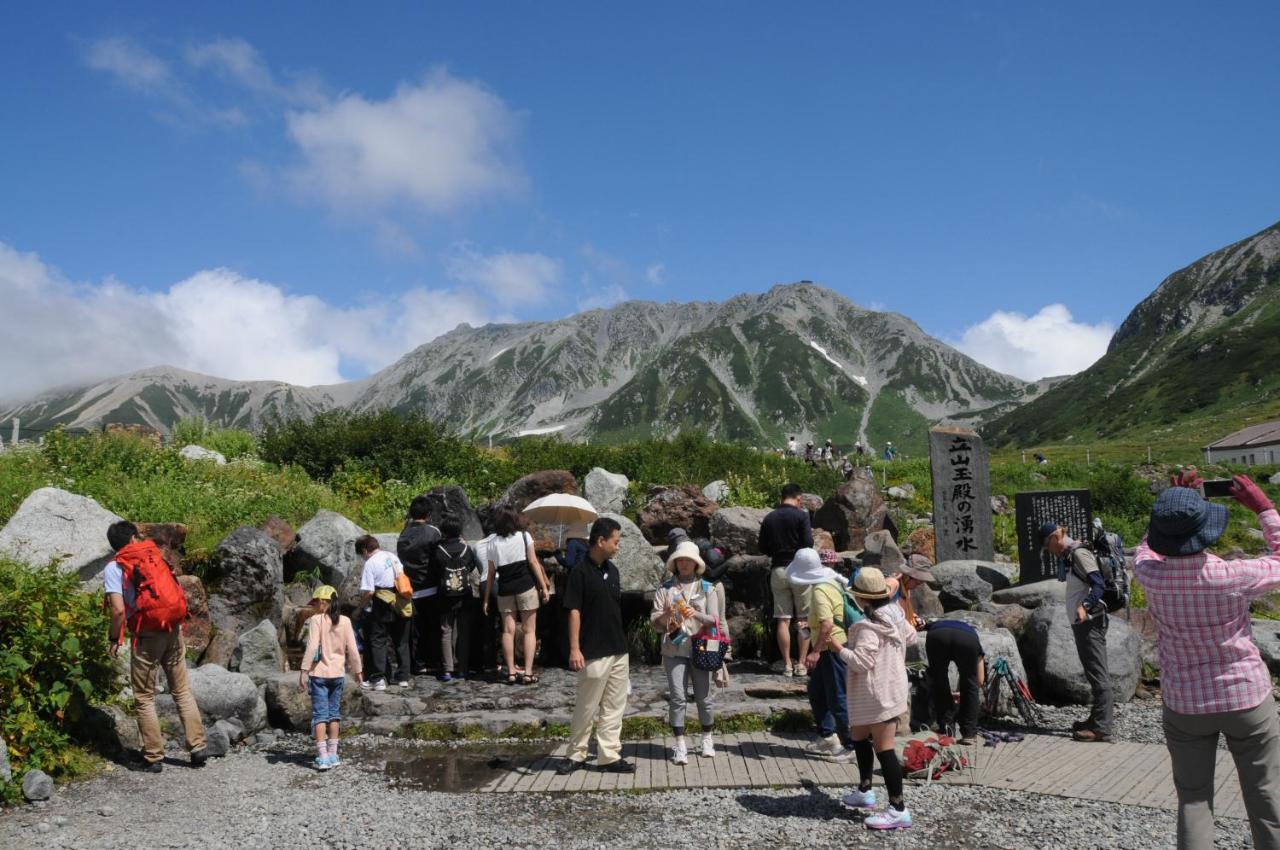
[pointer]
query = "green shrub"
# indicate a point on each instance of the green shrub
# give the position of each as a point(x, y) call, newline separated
point(53, 663)
point(644, 643)
point(231, 443)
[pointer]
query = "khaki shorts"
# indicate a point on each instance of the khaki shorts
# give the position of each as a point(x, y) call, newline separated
point(789, 601)
point(527, 601)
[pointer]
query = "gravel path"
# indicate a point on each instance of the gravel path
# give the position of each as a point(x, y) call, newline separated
point(267, 796)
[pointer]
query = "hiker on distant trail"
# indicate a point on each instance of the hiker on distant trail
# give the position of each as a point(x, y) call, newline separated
point(331, 653)
point(522, 588)
point(889, 451)
point(1078, 567)
point(457, 569)
point(859, 448)
point(1212, 677)
point(829, 455)
point(955, 642)
point(598, 653)
point(791, 447)
point(808, 453)
point(846, 467)
point(389, 615)
point(415, 547)
point(155, 622)
point(829, 617)
point(683, 607)
point(878, 694)
point(784, 531)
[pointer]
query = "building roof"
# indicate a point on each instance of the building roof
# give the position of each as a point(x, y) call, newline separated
point(1262, 434)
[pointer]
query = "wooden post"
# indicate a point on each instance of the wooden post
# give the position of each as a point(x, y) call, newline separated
point(1148, 454)
point(1087, 460)
point(1024, 456)
point(16, 426)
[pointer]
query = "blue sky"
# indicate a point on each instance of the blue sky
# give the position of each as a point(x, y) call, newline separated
point(306, 191)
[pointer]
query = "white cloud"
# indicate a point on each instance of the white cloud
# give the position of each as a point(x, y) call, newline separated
point(1031, 347)
point(511, 278)
point(217, 321)
point(603, 298)
point(656, 274)
point(240, 62)
point(432, 146)
point(130, 63)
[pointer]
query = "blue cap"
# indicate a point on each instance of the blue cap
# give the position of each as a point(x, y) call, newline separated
point(1046, 529)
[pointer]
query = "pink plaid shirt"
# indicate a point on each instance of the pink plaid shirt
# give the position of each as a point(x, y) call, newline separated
point(1200, 603)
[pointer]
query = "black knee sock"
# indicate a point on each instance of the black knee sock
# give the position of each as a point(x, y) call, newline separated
point(892, 769)
point(866, 762)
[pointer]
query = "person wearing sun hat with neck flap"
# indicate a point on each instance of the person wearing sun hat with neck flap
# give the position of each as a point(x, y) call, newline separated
point(878, 693)
point(1213, 679)
point(824, 590)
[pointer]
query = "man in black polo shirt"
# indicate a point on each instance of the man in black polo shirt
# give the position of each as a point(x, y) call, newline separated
point(784, 531)
point(597, 652)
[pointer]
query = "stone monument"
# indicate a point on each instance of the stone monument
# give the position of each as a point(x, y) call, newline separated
point(1065, 507)
point(961, 472)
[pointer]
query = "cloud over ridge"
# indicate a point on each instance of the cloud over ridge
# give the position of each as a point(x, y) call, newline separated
point(1043, 345)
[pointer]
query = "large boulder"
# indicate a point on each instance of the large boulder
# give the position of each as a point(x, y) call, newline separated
point(996, 643)
point(170, 537)
point(676, 507)
point(922, 541)
point(281, 532)
point(194, 452)
point(289, 707)
point(716, 491)
point(854, 511)
point(881, 550)
point(822, 539)
point(258, 654)
point(1266, 634)
point(639, 567)
point(54, 525)
point(926, 602)
point(738, 529)
point(605, 490)
point(221, 695)
point(327, 543)
point(998, 575)
point(216, 740)
point(963, 592)
point(811, 502)
point(245, 582)
point(6, 771)
point(535, 485)
point(112, 731)
point(1056, 675)
point(198, 629)
point(452, 499)
point(747, 579)
point(1032, 595)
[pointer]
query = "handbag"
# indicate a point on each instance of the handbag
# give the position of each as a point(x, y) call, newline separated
point(709, 648)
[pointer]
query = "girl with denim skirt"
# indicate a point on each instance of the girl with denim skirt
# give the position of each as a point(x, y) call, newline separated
point(331, 653)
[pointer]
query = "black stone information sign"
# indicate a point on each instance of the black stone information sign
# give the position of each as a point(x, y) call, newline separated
point(1065, 507)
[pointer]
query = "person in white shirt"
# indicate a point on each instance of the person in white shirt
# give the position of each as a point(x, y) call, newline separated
point(389, 616)
point(522, 588)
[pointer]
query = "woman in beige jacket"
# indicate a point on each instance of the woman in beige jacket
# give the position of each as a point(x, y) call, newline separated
point(331, 647)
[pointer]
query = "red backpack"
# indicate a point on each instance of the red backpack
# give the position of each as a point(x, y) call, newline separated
point(159, 603)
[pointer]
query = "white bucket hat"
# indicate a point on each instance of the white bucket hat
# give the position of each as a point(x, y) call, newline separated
point(806, 568)
point(686, 549)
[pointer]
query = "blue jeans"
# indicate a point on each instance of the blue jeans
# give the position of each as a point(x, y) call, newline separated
point(326, 699)
point(826, 698)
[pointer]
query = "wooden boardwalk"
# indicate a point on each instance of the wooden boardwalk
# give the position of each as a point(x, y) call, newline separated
point(1134, 774)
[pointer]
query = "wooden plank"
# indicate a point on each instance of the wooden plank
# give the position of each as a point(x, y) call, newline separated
point(753, 747)
point(1158, 772)
point(643, 777)
point(1139, 764)
point(1120, 765)
point(1029, 759)
point(1051, 760)
point(729, 748)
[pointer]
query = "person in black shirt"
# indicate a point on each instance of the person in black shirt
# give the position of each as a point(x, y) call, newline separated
point(597, 652)
point(415, 546)
point(784, 531)
point(455, 567)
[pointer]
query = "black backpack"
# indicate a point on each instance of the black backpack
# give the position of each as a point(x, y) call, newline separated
point(454, 581)
point(1108, 550)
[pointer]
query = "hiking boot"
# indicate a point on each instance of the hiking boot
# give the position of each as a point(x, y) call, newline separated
point(859, 799)
point(708, 747)
point(1092, 735)
point(890, 818)
point(567, 766)
point(828, 746)
point(619, 766)
point(198, 758)
point(1081, 724)
point(446, 677)
point(152, 767)
point(679, 753)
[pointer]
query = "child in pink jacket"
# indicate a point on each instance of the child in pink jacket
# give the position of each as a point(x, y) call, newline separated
point(877, 693)
point(330, 655)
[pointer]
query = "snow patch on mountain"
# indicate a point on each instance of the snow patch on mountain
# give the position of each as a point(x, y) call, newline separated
point(818, 348)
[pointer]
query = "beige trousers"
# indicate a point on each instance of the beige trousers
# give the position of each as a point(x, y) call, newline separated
point(152, 652)
point(1253, 737)
point(601, 697)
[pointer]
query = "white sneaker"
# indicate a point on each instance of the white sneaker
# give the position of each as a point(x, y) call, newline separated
point(366, 685)
point(680, 753)
point(890, 818)
point(381, 685)
point(845, 756)
point(402, 684)
point(859, 799)
point(828, 746)
point(708, 747)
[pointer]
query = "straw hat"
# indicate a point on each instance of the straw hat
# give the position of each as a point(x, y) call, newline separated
point(870, 584)
point(686, 549)
point(324, 591)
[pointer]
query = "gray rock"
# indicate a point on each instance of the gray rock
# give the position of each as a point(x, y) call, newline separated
point(1049, 651)
point(258, 654)
point(37, 786)
point(640, 567)
point(201, 453)
point(217, 742)
point(881, 550)
point(246, 587)
point(738, 529)
point(54, 525)
point(113, 731)
point(452, 499)
point(605, 490)
point(220, 695)
point(327, 542)
point(964, 591)
point(234, 727)
point(1031, 595)
point(718, 491)
point(997, 575)
point(900, 493)
point(289, 707)
point(1266, 635)
point(996, 643)
point(6, 772)
point(1274, 479)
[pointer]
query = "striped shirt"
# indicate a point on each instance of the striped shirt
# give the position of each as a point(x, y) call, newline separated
point(1200, 604)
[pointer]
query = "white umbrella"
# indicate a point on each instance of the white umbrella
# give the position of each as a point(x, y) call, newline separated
point(561, 509)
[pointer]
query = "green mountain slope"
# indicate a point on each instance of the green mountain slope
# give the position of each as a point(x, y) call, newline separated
point(1203, 347)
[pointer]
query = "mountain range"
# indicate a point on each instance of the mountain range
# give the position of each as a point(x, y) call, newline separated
point(797, 360)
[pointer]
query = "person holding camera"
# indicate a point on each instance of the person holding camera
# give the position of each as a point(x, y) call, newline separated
point(1078, 567)
point(1214, 681)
